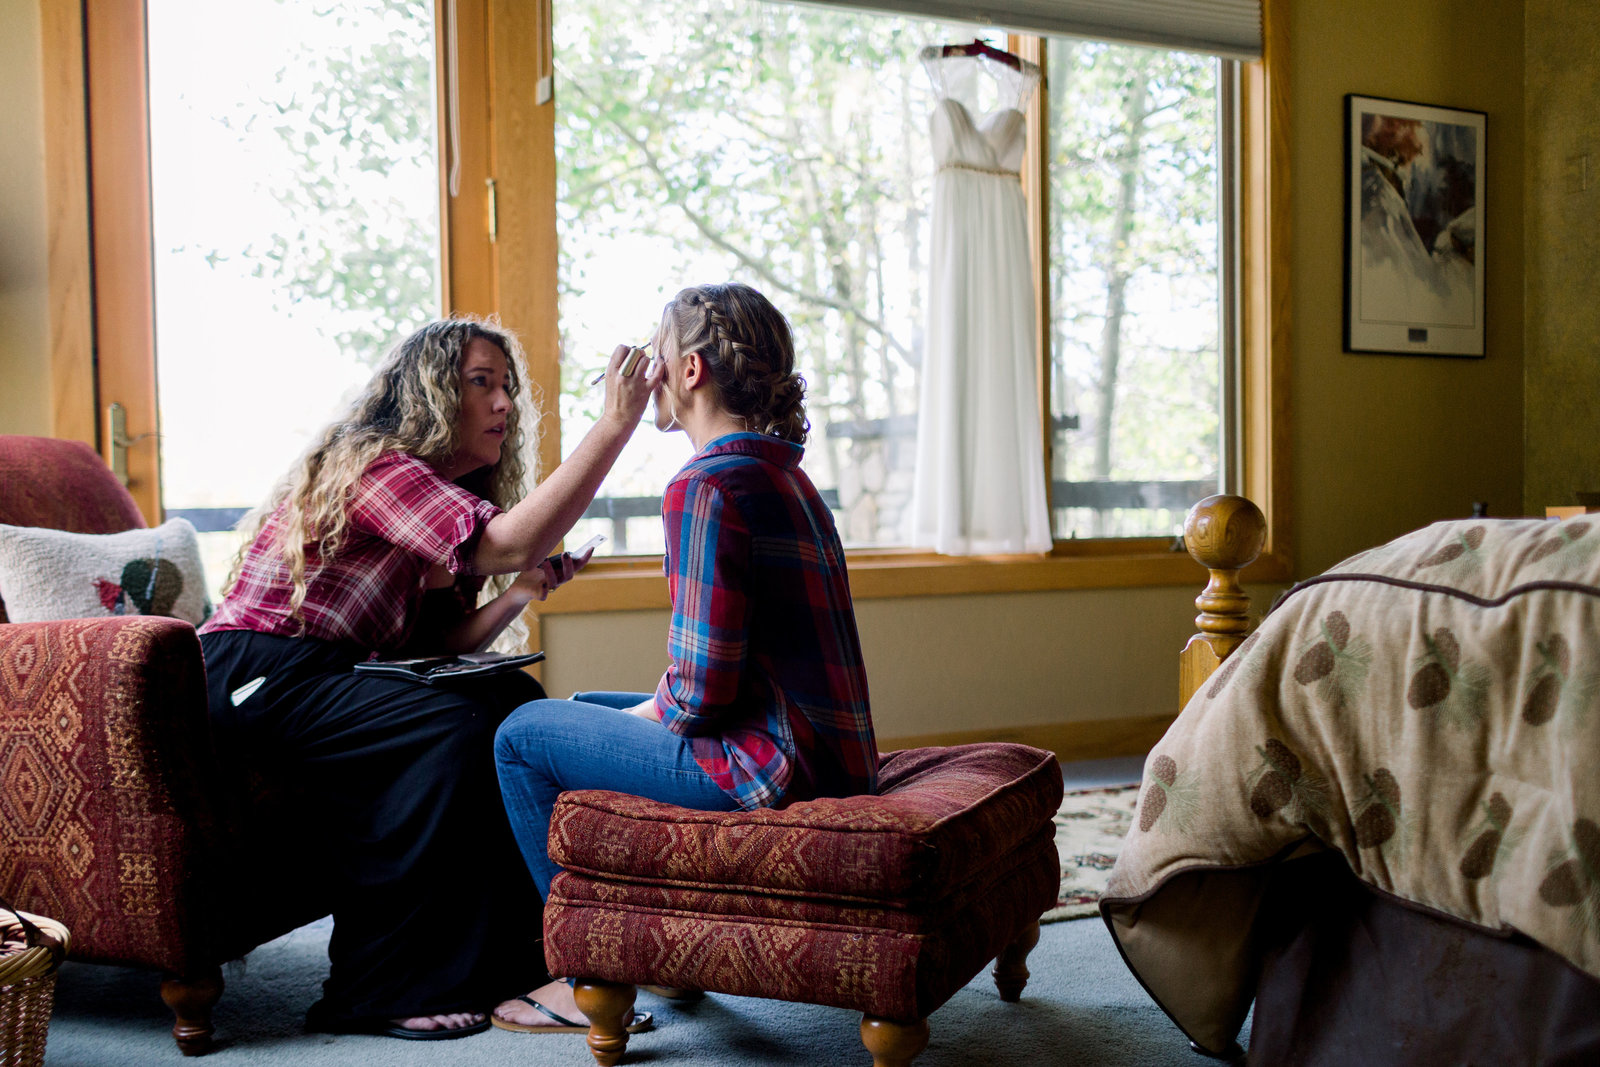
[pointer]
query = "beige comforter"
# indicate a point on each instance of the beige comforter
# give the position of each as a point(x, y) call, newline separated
point(1428, 709)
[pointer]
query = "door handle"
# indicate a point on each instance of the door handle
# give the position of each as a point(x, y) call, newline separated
point(117, 435)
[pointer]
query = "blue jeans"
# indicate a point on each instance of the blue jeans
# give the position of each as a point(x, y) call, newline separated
point(547, 746)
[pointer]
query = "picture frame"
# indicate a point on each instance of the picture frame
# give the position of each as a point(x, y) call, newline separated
point(1414, 227)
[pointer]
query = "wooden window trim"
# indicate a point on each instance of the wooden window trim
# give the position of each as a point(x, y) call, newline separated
point(504, 48)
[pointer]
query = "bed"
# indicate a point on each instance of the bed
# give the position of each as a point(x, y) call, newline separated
point(1377, 820)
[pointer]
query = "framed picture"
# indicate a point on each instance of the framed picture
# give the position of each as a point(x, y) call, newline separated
point(1414, 183)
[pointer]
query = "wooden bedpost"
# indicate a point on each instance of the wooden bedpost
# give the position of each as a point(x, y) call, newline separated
point(1225, 533)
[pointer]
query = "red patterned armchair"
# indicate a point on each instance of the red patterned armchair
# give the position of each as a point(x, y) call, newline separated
point(114, 818)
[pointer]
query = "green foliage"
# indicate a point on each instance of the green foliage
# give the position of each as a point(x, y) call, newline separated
point(356, 113)
point(787, 143)
point(787, 146)
point(1134, 175)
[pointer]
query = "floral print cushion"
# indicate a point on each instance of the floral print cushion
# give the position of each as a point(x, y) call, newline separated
point(1419, 708)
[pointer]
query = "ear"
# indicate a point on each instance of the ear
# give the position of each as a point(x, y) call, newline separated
point(695, 371)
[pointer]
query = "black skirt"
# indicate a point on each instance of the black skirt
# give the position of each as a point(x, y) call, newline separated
point(395, 791)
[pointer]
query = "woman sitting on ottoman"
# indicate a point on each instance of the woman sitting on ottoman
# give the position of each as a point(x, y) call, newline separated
point(765, 699)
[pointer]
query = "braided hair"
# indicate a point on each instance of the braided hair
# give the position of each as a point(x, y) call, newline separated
point(748, 346)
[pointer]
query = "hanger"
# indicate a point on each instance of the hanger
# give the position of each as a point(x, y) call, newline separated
point(978, 48)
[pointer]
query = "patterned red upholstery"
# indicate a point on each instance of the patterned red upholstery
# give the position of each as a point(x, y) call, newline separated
point(61, 485)
point(886, 905)
point(940, 812)
point(113, 818)
point(104, 767)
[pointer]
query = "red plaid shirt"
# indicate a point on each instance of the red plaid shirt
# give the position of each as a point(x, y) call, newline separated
point(766, 678)
point(404, 518)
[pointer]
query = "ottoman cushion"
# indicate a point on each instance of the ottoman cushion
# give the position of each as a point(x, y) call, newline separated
point(940, 814)
point(885, 905)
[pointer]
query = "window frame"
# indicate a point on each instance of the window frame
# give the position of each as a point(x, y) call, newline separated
point(1256, 381)
point(500, 257)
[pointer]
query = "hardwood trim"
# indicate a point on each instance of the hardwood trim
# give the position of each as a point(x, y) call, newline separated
point(523, 164)
point(516, 273)
point(468, 258)
point(66, 169)
point(637, 584)
point(124, 272)
point(1036, 186)
point(443, 121)
point(1082, 739)
point(1264, 170)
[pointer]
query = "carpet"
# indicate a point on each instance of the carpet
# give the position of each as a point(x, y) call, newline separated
point(1089, 830)
point(1082, 1008)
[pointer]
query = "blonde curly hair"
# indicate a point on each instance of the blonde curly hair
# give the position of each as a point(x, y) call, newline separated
point(411, 405)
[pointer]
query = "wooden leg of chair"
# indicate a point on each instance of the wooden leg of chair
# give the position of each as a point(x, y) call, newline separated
point(609, 1006)
point(893, 1044)
point(1011, 966)
point(191, 1000)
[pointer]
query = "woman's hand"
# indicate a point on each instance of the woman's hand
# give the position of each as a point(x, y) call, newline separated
point(646, 710)
point(551, 573)
point(628, 394)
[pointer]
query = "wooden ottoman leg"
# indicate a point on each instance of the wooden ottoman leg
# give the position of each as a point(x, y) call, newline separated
point(1011, 966)
point(191, 1000)
point(609, 1006)
point(893, 1044)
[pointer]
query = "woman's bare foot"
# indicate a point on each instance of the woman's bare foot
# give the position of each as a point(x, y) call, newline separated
point(428, 1023)
point(557, 996)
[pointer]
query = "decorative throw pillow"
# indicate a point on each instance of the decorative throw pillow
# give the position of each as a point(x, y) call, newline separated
point(51, 574)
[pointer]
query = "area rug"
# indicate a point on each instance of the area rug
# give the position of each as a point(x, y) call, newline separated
point(1089, 830)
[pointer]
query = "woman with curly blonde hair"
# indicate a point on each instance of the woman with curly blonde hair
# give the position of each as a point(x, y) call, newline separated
point(379, 543)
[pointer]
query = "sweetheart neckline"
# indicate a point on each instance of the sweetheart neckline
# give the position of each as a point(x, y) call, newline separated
point(986, 115)
point(996, 131)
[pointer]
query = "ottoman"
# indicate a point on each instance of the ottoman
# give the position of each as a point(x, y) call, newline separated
point(885, 904)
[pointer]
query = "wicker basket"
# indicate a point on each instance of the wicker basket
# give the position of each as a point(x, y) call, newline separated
point(31, 948)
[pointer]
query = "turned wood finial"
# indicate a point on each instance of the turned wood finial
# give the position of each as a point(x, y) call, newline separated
point(1225, 533)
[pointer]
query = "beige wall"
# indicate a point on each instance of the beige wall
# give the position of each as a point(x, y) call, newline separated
point(1563, 219)
point(24, 290)
point(948, 664)
point(1381, 444)
point(1384, 444)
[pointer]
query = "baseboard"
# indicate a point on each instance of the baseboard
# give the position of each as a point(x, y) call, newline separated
point(1084, 739)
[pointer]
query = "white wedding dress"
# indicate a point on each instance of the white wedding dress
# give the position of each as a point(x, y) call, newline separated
point(979, 480)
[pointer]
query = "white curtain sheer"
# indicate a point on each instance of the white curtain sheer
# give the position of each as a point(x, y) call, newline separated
point(979, 483)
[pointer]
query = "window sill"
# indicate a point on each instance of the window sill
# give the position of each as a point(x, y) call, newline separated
point(637, 584)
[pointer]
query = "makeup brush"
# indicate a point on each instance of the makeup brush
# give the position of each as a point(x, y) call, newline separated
point(628, 364)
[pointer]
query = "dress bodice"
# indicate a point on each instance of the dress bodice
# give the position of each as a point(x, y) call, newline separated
point(994, 142)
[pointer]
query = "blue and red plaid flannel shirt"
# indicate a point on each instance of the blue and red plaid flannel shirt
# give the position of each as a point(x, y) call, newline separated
point(766, 678)
point(404, 518)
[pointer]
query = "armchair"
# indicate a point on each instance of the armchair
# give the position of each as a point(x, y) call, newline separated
point(114, 817)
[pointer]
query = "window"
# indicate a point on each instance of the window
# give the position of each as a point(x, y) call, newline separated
point(295, 196)
point(103, 340)
point(787, 146)
point(1135, 261)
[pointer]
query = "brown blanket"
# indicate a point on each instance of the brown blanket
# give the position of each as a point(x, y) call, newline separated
point(1429, 710)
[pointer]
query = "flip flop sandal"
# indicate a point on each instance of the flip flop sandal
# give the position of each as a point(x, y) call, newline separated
point(405, 1033)
point(641, 1021)
point(319, 1023)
